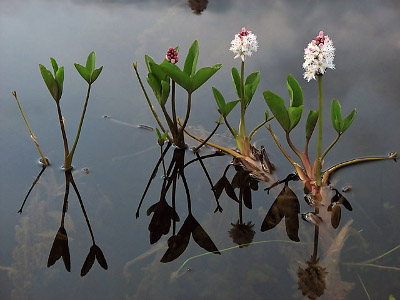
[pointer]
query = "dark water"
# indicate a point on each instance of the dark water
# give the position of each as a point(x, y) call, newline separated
point(121, 157)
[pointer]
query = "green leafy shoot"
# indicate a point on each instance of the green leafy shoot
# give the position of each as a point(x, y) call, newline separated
point(161, 137)
point(338, 124)
point(311, 123)
point(53, 83)
point(223, 108)
point(89, 72)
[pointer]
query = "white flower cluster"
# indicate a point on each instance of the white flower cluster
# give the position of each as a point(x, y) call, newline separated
point(244, 44)
point(318, 56)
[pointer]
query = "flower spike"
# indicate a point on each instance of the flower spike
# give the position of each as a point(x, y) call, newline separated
point(244, 44)
point(318, 56)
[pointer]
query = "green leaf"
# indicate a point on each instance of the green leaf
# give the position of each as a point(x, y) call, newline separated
point(157, 70)
point(295, 92)
point(229, 106)
point(165, 88)
point(277, 107)
point(149, 60)
point(60, 81)
point(219, 99)
point(91, 62)
point(155, 85)
point(83, 72)
point(248, 94)
point(181, 78)
point(191, 59)
point(164, 136)
point(95, 74)
point(348, 120)
point(336, 114)
point(311, 123)
point(50, 82)
point(203, 75)
point(54, 65)
point(294, 115)
point(236, 81)
point(250, 86)
point(253, 79)
point(158, 134)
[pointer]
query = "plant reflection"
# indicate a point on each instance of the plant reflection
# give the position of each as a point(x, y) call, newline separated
point(60, 247)
point(198, 6)
point(164, 214)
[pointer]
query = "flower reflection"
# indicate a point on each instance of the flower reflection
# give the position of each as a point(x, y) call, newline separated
point(242, 234)
point(312, 280)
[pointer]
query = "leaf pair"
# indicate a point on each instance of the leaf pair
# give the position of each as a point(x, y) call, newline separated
point(223, 108)
point(290, 117)
point(189, 79)
point(89, 73)
point(161, 137)
point(53, 83)
point(94, 253)
point(250, 85)
point(224, 184)
point(158, 80)
point(285, 205)
point(178, 243)
point(336, 113)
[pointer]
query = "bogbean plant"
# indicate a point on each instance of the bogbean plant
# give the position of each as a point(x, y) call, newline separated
point(54, 83)
point(162, 79)
point(318, 55)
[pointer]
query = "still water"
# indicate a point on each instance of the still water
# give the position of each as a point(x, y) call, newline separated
point(120, 156)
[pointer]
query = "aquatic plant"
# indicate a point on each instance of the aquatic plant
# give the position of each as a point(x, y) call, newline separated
point(248, 157)
point(162, 79)
point(54, 84)
point(318, 56)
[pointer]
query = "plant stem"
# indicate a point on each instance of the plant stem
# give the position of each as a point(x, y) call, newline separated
point(328, 172)
point(299, 170)
point(64, 135)
point(149, 102)
point(242, 127)
point(255, 129)
point(173, 104)
point(330, 146)
point(230, 127)
point(303, 157)
point(44, 160)
point(189, 105)
point(71, 154)
point(208, 138)
point(320, 125)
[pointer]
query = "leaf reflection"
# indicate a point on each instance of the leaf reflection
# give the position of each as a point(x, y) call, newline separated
point(285, 205)
point(165, 214)
point(60, 249)
point(178, 243)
